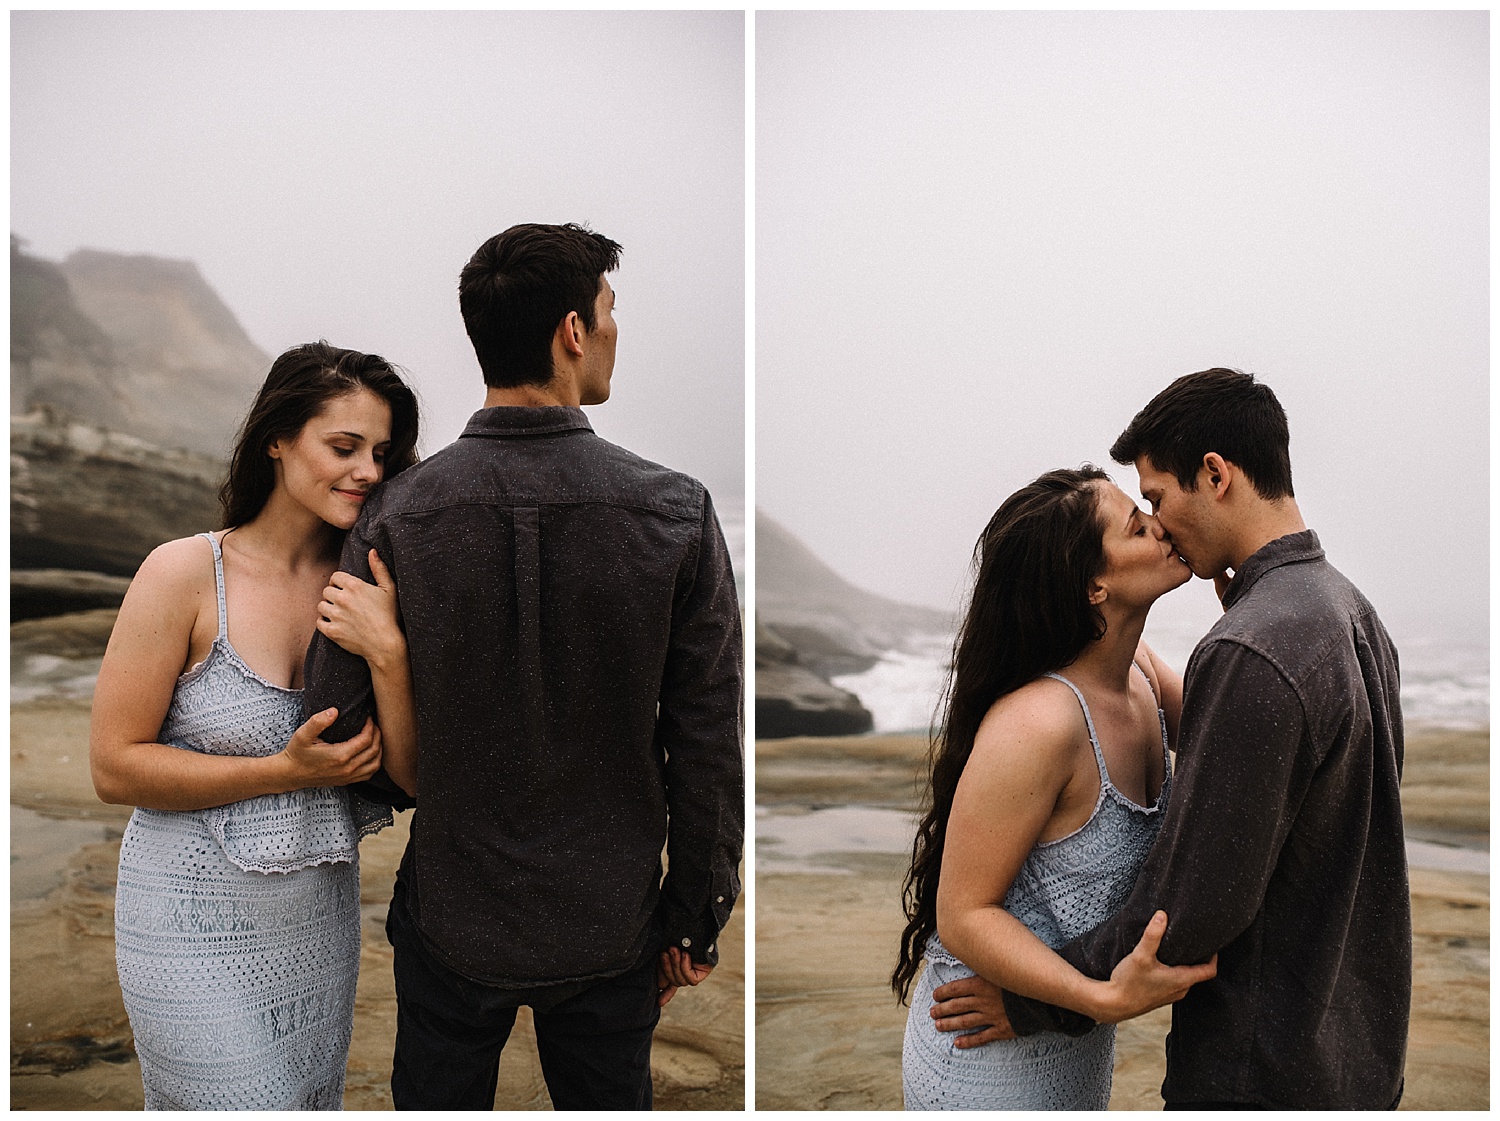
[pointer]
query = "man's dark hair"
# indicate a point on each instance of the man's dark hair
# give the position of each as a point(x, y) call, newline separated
point(1216, 410)
point(519, 286)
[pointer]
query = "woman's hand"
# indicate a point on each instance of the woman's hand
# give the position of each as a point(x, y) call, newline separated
point(1140, 982)
point(361, 617)
point(311, 762)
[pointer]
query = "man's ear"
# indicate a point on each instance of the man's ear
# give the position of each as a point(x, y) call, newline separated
point(1220, 473)
point(570, 333)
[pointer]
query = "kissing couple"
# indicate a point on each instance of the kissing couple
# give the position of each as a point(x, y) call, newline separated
point(1068, 875)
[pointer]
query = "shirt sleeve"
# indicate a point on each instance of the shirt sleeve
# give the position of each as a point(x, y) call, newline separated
point(335, 678)
point(700, 730)
point(1240, 777)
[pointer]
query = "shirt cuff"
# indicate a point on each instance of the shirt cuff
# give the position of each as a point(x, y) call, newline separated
point(1028, 1016)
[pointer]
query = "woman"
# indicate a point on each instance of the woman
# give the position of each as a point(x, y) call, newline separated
point(1049, 778)
point(237, 907)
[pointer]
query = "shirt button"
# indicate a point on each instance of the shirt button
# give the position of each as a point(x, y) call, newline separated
point(686, 942)
point(719, 899)
point(710, 949)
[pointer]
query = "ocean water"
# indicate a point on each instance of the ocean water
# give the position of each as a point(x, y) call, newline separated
point(1443, 684)
point(792, 839)
point(35, 676)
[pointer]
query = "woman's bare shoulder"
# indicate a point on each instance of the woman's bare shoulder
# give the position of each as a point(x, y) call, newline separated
point(1041, 718)
point(185, 565)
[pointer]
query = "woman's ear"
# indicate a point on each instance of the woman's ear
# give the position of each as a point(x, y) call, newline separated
point(1098, 593)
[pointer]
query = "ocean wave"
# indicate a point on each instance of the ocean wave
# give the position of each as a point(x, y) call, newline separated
point(1444, 685)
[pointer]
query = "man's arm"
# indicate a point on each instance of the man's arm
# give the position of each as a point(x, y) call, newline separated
point(700, 728)
point(1239, 781)
point(334, 678)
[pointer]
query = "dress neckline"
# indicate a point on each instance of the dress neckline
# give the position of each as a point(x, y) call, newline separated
point(221, 639)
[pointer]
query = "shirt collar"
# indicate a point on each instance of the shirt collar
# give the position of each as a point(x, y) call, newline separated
point(1294, 548)
point(526, 420)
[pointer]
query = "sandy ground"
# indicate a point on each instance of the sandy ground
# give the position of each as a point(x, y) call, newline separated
point(828, 1030)
point(70, 1040)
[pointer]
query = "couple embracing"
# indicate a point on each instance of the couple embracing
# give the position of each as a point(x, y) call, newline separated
point(532, 636)
point(1066, 876)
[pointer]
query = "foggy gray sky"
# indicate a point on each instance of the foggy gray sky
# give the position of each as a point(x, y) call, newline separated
point(985, 240)
point(331, 172)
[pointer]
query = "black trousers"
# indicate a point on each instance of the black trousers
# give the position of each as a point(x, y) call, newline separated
point(593, 1038)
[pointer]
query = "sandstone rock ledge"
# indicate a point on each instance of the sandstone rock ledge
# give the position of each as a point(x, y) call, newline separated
point(791, 700)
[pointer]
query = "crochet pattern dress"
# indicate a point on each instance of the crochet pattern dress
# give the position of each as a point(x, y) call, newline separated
point(1064, 888)
point(237, 927)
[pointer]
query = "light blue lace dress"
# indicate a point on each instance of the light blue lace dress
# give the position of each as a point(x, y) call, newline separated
point(1064, 888)
point(237, 927)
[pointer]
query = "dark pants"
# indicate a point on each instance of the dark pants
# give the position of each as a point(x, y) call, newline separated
point(1242, 1105)
point(1210, 1105)
point(594, 1039)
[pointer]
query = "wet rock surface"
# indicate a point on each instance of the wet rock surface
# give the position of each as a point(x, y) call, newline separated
point(829, 1030)
point(84, 498)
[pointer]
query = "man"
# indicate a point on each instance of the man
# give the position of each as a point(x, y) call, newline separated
point(1282, 849)
point(576, 662)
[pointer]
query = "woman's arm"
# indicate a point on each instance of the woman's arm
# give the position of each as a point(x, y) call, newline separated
point(363, 619)
point(1023, 759)
point(148, 650)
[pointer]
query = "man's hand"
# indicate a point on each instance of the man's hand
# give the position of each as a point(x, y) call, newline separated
point(968, 1003)
point(676, 970)
point(1140, 982)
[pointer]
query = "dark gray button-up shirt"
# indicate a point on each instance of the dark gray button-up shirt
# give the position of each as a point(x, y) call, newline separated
point(1282, 850)
point(577, 662)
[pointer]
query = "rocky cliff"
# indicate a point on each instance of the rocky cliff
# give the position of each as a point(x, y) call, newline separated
point(129, 378)
point(84, 498)
point(811, 625)
point(137, 345)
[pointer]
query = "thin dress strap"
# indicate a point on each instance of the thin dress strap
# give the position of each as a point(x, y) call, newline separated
point(1089, 719)
point(219, 584)
point(1150, 686)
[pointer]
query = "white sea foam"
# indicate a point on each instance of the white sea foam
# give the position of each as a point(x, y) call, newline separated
point(1442, 684)
point(902, 689)
point(46, 675)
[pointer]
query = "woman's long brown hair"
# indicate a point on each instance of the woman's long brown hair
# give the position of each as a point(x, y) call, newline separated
point(1029, 614)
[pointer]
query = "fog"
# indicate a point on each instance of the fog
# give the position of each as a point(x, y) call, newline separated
point(331, 172)
point(985, 240)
